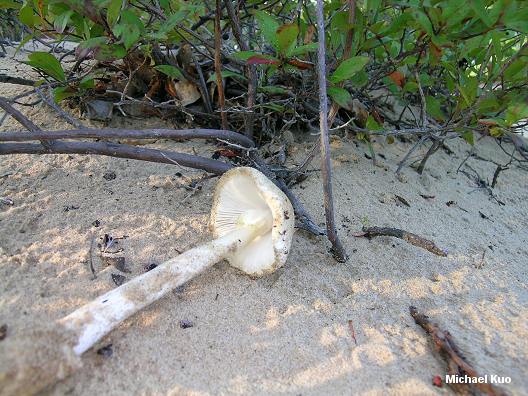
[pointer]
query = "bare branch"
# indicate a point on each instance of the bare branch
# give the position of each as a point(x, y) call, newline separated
point(338, 250)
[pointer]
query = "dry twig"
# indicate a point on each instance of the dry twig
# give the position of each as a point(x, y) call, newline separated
point(456, 363)
point(218, 64)
point(409, 237)
point(338, 250)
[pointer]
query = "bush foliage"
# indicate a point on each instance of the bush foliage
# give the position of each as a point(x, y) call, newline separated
point(465, 63)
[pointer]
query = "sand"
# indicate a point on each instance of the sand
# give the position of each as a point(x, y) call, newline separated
point(287, 333)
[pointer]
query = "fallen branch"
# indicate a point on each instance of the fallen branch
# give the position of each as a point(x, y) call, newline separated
point(23, 120)
point(87, 133)
point(409, 237)
point(120, 151)
point(16, 80)
point(456, 363)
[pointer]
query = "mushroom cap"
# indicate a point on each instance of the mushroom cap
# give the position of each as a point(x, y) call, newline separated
point(242, 191)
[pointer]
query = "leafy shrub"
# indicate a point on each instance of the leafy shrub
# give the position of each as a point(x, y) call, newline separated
point(468, 59)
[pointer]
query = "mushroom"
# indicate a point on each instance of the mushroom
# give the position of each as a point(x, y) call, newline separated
point(252, 222)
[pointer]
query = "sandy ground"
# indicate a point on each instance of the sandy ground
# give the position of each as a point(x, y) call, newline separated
point(287, 333)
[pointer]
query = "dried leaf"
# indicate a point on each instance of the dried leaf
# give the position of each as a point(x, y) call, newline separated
point(186, 92)
point(169, 87)
point(398, 78)
point(105, 351)
point(299, 64)
point(118, 279)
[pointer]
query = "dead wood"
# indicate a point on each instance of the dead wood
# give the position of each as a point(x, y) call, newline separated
point(456, 363)
point(338, 250)
point(107, 133)
point(409, 237)
point(119, 151)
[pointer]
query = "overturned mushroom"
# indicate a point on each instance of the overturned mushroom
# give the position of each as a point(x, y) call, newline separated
point(252, 221)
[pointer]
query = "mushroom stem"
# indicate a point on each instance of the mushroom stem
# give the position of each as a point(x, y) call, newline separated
point(93, 321)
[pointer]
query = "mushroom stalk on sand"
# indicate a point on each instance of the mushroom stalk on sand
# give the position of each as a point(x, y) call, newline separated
point(252, 221)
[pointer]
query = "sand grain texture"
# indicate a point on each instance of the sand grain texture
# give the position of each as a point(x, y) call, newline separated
point(286, 333)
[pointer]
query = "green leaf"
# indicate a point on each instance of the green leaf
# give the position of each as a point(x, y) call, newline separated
point(468, 89)
point(10, 4)
point(360, 79)
point(349, 68)
point(110, 52)
point(468, 137)
point(433, 107)
point(516, 112)
point(268, 25)
point(489, 104)
point(61, 93)
point(48, 64)
point(373, 5)
point(171, 71)
point(424, 22)
point(62, 20)
point(515, 68)
point(275, 107)
point(129, 28)
point(225, 74)
point(304, 49)
point(169, 25)
point(480, 10)
point(93, 42)
point(26, 16)
point(341, 96)
point(372, 124)
point(87, 82)
point(286, 38)
point(517, 19)
point(114, 8)
point(245, 55)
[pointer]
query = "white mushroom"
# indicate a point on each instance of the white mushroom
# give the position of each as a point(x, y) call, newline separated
point(247, 197)
point(252, 221)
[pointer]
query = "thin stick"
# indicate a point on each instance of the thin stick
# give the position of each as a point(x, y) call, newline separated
point(456, 363)
point(338, 250)
point(251, 70)
point(409, 237)
point(218, 64)
point(22, 119)
point(85, 133)
point(120, 151)
point(203, 84)
point(433, 149)
point(422, 140)
point(16, 80)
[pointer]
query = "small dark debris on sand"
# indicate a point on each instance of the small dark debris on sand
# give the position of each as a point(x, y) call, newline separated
point(109, 175)
point(118, 262)
point(150, 267)
point(185, 324)
point(3, 332)
point(118, 279)
point(105, 351)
